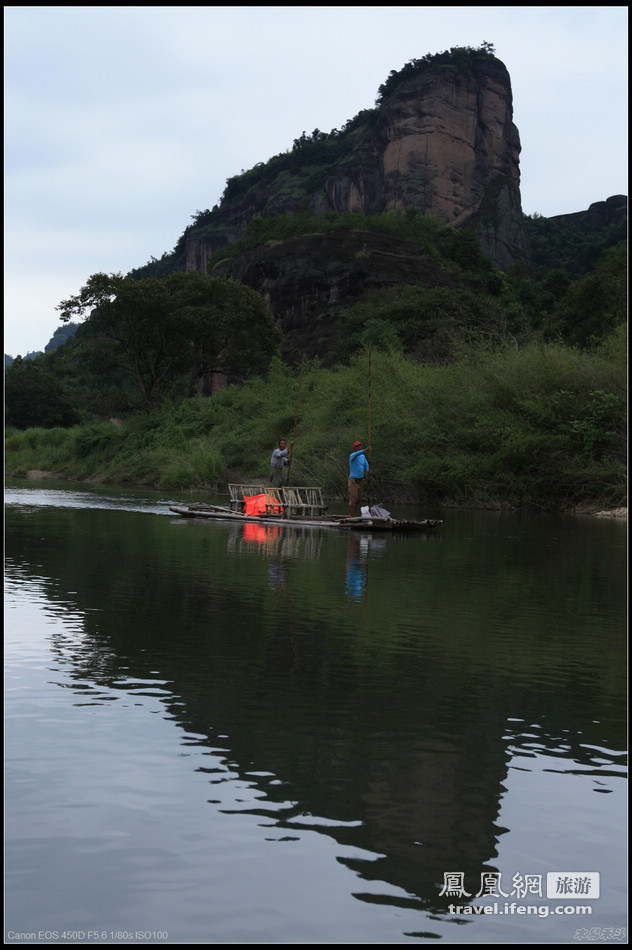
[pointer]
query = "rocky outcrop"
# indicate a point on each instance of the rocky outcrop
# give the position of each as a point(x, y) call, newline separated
point(601, 214)
point(199, 247)
point(442, 142)
point(308, 280)
point(445, 144)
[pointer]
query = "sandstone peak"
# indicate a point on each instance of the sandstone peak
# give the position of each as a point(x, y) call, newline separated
point(441, 140)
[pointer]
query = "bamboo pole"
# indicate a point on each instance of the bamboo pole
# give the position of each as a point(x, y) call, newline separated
point(300, 383)
point(370, 447)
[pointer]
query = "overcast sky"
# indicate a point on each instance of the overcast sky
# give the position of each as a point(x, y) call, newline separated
point(122, 122)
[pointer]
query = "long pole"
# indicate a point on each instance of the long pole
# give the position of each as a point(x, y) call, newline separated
point(300, 382)
point(369, 478)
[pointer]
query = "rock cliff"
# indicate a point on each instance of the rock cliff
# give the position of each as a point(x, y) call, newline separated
point(601, 214)
point(308, 280)
point(445, 143)
point(441, 141)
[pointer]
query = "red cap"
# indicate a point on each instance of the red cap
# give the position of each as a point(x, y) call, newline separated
point(357, 444)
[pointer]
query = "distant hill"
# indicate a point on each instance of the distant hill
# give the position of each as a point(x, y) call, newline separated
point(29, 356)
point(59, 337)
point(574, 242)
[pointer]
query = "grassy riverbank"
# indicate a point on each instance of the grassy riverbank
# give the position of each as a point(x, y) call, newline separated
point(542, 427)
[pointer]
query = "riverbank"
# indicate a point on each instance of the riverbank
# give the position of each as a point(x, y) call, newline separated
point(594, 511)
point(542, 429)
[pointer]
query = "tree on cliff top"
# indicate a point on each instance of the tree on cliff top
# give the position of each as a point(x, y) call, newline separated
point(461, 56)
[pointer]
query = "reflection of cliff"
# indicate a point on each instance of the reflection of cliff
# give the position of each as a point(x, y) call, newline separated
point(393, 733)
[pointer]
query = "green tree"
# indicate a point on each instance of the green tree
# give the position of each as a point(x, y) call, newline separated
point(431, 324)
point(132, 317)
point(595, 305)
point(171, 332)
point(229, 326)
point(34, 398)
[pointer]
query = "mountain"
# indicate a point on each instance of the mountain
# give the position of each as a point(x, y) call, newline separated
point(59, 337)
point(29, 356)
point(441, 140)
point(574, 242)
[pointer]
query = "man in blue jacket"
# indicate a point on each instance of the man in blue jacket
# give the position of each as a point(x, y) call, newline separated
point(358, 465)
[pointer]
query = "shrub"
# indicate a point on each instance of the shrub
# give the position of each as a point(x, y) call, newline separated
point(177, 476)
point(96, 439)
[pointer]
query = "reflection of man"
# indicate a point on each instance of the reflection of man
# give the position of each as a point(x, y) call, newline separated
point(356, 568)
point(278, 460)
point(358, 465)
point(276, 575)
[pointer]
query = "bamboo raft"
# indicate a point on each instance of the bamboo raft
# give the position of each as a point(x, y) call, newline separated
point(293, 506)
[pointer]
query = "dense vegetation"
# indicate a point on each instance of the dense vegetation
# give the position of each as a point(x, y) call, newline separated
point(457, 251)
point(560, 243)
point(168, 337)
point(542, 425)
point(464, 58)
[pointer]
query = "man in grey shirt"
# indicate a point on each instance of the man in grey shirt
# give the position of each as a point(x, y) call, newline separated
point(278, 461)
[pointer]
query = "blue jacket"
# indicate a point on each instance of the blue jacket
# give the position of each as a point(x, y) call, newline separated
point(358, 464)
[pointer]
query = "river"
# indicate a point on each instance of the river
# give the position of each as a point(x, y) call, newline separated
point(218, 733)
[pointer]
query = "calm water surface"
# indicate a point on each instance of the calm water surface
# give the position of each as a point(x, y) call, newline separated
point(219, 733)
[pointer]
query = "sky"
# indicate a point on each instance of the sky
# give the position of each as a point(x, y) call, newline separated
point(122, 122)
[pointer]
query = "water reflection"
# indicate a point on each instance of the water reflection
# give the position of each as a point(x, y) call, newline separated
point(270, 539)
point(279, 545)
point(357, 553)
point(393, 731)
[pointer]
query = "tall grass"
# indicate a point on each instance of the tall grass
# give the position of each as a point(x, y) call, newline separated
point(541, 426)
